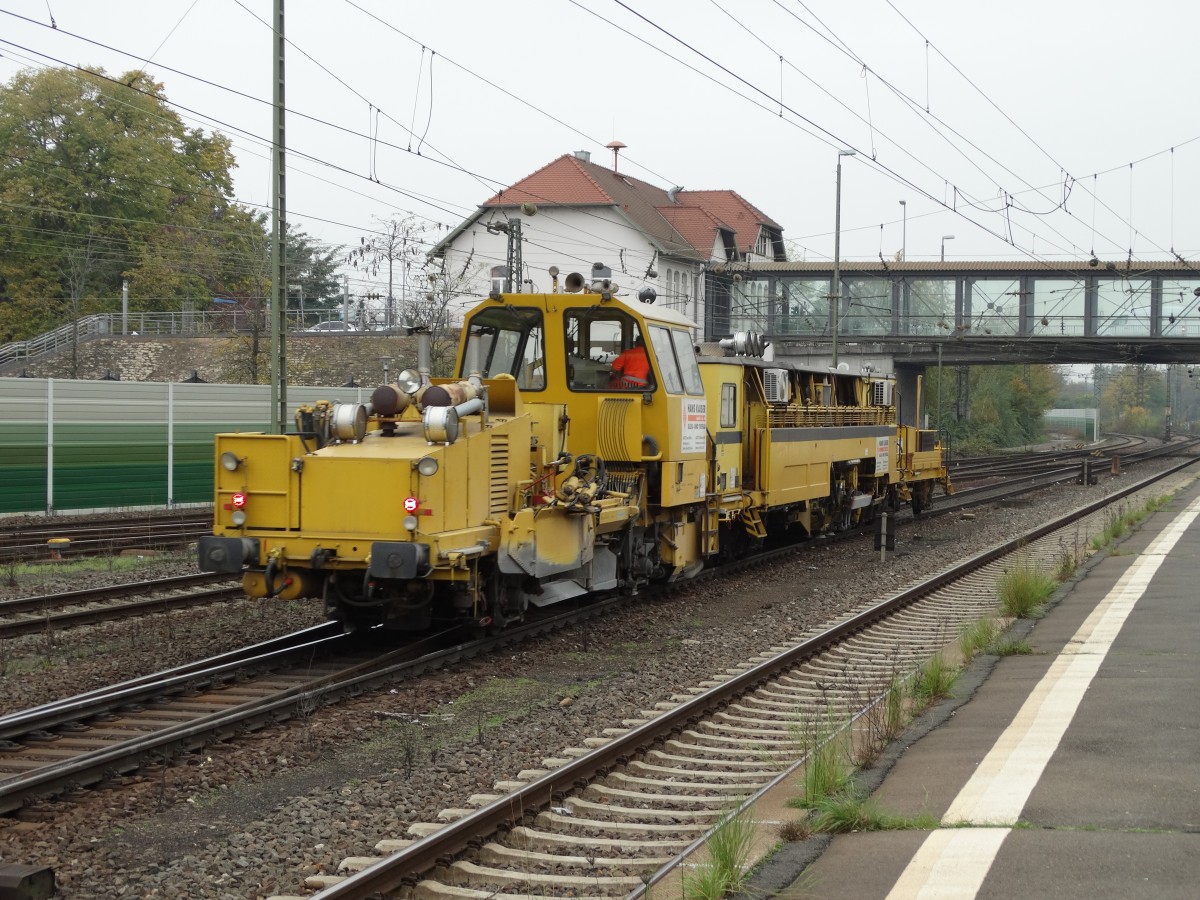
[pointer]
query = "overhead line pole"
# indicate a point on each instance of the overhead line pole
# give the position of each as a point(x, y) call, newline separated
point(278, 230)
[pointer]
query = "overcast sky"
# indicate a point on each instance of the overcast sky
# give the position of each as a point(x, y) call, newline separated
point(1011, 126)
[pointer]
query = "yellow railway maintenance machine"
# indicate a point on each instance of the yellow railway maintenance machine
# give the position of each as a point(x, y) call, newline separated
point(540, 474)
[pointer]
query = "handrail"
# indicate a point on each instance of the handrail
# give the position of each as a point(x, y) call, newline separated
point(180, 323)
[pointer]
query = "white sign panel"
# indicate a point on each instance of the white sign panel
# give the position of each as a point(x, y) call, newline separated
point(883, 447)
point(695, 425)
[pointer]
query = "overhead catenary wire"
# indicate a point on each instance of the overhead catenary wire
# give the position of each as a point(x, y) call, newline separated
point(494, 185)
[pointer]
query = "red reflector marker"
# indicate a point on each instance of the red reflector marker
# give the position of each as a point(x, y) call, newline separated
point(239, 500)
point(411, 504)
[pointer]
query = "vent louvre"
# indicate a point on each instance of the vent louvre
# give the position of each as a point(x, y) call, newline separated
point(610, 427)
point(498, 486)
point(881, 393)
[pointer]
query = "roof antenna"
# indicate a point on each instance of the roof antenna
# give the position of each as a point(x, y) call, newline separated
point(616, 147)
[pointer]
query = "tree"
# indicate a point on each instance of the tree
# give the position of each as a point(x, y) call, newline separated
point(398, 249)
point(1007, 404)
point(100, 181)
point(428, 294)
point(313, 269)
point(1133, 399)
point(436, 311)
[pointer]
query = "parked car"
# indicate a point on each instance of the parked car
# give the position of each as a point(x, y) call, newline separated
point(332, 326)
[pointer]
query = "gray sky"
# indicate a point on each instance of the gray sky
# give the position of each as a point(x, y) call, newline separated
point(1026, 102)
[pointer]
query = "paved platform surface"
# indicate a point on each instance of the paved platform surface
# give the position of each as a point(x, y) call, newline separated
point(1073, 772)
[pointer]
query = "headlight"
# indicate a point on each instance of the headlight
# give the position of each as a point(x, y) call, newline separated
point(410, 523)
point(427, 466)
point(239, 517)
point(409, 381)
point(230, 461)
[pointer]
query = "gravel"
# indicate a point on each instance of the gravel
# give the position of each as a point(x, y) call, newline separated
point(255, 817)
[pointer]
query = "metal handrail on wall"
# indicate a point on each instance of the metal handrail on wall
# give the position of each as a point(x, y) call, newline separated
point(178, 324)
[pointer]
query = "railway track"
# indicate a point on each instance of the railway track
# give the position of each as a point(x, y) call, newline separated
point(90, 606)
point(1034, 474)
point(106, 535)
point(55, 749)
point(71, 722)
point(621, 815)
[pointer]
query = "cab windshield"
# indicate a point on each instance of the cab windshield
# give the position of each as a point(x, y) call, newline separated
point(511, 342)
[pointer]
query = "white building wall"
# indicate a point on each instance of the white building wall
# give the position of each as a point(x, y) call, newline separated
point(574, 239)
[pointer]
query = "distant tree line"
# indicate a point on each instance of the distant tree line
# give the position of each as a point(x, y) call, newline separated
point(101, 182)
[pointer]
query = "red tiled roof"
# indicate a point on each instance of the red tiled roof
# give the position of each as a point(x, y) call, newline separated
point(564, 182)
point(697, 225)
point(687, 226)
point(735, 211)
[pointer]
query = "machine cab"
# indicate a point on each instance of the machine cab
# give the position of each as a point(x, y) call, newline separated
point(589, 348)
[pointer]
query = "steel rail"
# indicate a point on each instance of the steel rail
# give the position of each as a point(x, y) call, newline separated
point(91, 595)
point(19, 627)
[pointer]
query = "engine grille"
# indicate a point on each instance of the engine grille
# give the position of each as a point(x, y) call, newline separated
point(498, 502)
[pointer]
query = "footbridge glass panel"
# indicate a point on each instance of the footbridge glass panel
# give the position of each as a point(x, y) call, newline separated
point(1180, 308)
point(1123, 307)
point(930, 307)
point(1059, 307)
point(802, 306)
point(866, 307)
point(993, 306)
point(748, 306)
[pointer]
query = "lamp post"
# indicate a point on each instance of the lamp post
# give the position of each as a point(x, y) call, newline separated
point(837, 254)
point(904, 231)
point(945, 237)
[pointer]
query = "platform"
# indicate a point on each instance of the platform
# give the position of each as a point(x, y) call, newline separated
point(1073, 772)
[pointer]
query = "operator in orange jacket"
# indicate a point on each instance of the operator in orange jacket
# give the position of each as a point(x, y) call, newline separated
point(632, 368)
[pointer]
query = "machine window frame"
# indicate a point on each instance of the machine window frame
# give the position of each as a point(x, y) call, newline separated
point(728, 404)
point(512, 342)
point(676, 357)
point(592, 339)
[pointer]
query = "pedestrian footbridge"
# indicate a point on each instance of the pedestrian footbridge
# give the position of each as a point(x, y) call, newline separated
point(964, 313)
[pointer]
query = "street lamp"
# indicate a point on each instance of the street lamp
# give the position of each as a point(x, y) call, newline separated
point(904, 231)
point(945, 237)
point(837, 253)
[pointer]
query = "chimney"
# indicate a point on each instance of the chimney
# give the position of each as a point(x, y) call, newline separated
point(584, 155)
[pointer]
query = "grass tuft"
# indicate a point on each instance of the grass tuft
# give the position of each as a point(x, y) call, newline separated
point(933, 680)
point(1023, 591)
point(725, 870)
point(977, 636)
point(1009, 647)
point(795, 830)
point(847, 812)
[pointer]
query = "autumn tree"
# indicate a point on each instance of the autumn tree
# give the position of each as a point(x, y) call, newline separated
point(100, 180)
point(395, 251)
point(1006, 408)
point(1133, 399)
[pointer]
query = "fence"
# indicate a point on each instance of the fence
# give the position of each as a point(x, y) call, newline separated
point(84, 445)
point(178, 324)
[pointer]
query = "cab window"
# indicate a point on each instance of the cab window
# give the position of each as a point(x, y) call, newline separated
point(511, 342)
point(676, 357)
point(595, 340)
